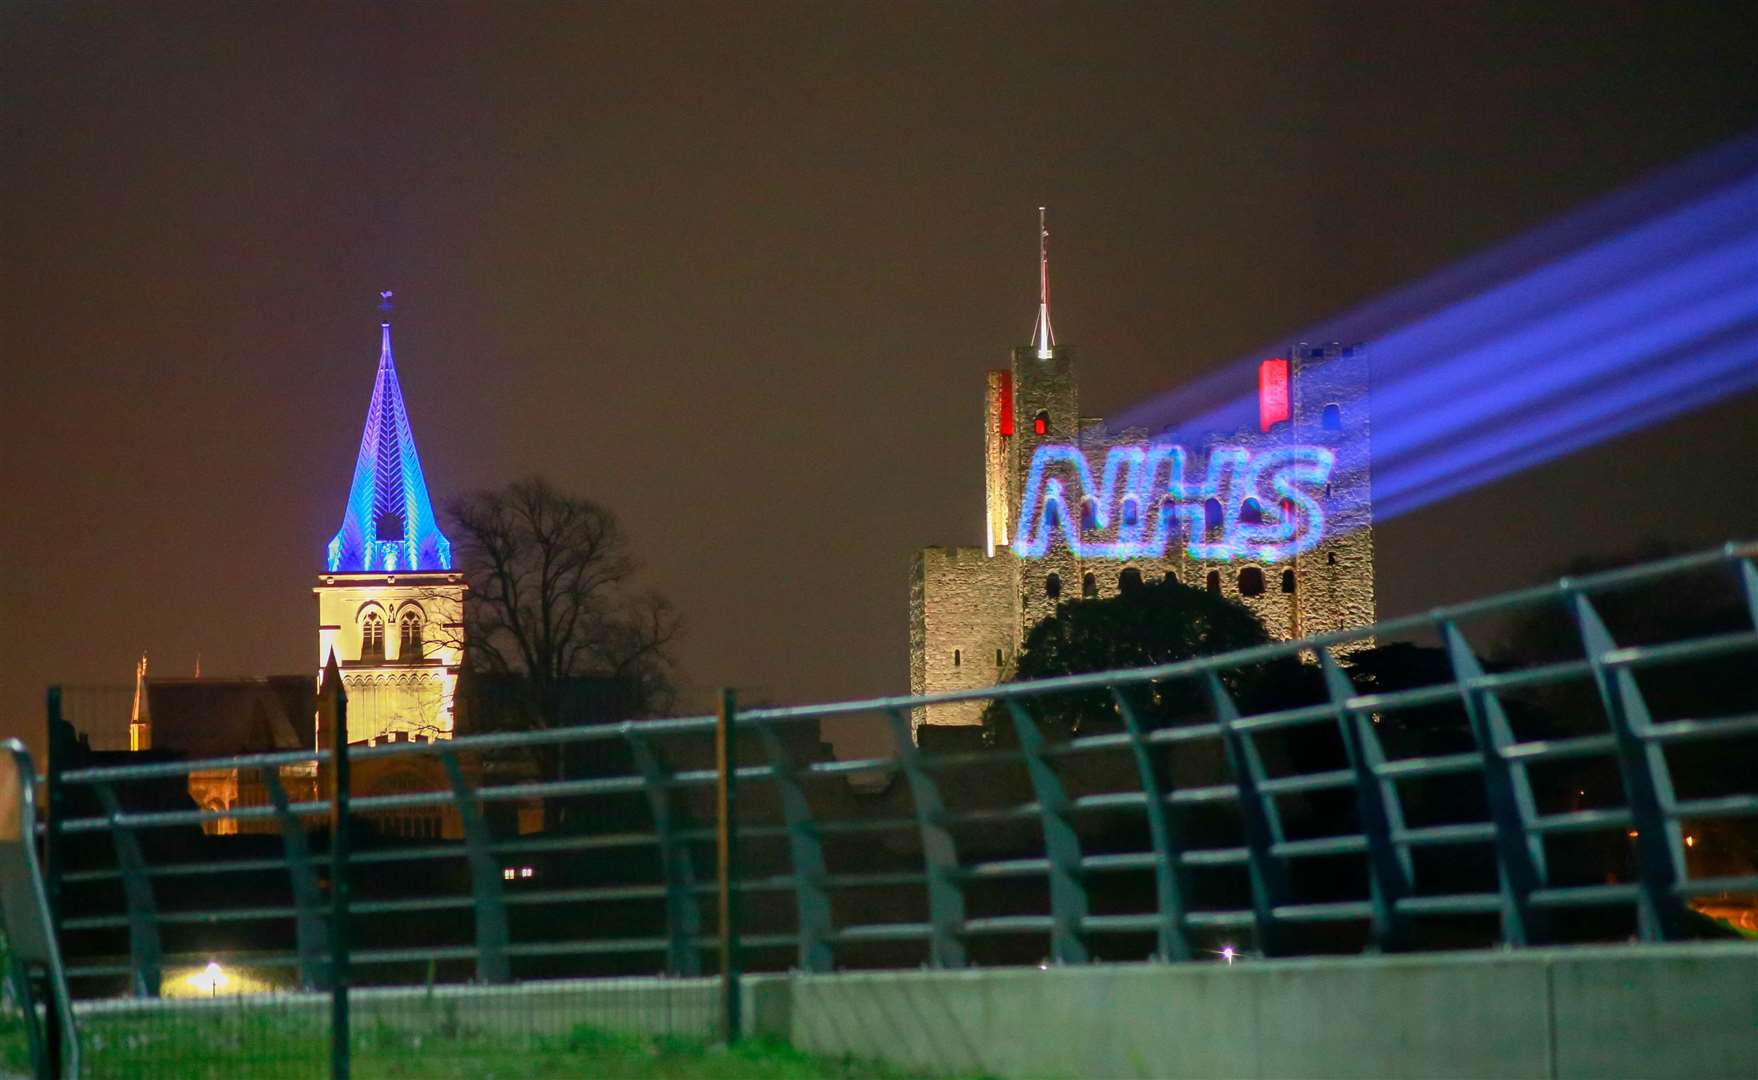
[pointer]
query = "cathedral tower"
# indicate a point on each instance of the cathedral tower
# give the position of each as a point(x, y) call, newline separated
point(390, 603)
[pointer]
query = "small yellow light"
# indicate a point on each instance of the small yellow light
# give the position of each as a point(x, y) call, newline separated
point(1690, 841)
point(1634, 834)
point(210, 978)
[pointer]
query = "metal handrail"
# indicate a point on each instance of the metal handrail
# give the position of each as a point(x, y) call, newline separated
point(971, 846)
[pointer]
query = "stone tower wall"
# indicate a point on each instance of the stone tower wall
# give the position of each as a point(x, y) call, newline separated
point(966, 601)
point(1049, 387)
point(961, 628)
point(408, 695)
point(1336, 581)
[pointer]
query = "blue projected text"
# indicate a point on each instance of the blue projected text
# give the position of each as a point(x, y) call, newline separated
point(1261, 506)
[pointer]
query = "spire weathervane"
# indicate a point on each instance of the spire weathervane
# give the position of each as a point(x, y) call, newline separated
point(384, 305)
point(1041, 334)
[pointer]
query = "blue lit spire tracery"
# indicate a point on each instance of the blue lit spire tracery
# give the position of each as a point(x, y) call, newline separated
point(388, 525)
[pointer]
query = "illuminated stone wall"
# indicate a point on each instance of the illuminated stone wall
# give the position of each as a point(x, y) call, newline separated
point(961, 628)
point(403, 693)
point(974, 601)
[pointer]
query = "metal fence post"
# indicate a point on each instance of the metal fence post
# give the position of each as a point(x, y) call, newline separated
point(334, 701)
point(726, 849)
point(55, 797)
point(1068, 893)
point(35, 969)
point(137, 893)
point(807, 854)
point(1260, 821)
point(1648, 785)
point(683, 919)
point(1388, 863)
point(308, 926)
point(1169, 874)
point(1519, 850)
point(485, 876)
point(939, 852)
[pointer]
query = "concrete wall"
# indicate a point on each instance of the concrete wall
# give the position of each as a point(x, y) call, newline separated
point(1648, 1011)
point(1686, 1011)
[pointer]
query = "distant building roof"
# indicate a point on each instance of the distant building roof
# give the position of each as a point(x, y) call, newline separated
point(220, 717)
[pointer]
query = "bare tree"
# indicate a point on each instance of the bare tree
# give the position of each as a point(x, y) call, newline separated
point(552, 597)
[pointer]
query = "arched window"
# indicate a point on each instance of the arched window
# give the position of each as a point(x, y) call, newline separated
point(1041, 423)
point(1053, 586)
point(409, 644)
point(1212, 514)
point(372, 636)
point(1251, 513)
point(389, 526)
point(1129, 580)
point(1089, 587)
point(1287, 581)
point(1089, 514)
point(1332, 418)
point(1215, 582)
point(1131, 510)
point(1251, 582)
point(957, 657)
point(1171, 578)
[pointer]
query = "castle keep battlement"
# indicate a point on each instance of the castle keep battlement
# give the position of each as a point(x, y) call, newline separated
point(1278, 516)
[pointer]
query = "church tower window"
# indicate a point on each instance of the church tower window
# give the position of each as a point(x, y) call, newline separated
point(1041, 423)
point(409, 644)
point(372, 636)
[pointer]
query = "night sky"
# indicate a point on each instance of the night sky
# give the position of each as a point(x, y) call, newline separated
point(737, 274)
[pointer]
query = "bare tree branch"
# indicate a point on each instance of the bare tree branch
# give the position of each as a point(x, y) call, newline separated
point(552, 597)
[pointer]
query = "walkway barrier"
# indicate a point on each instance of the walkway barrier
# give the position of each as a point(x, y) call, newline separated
point(1308, 797)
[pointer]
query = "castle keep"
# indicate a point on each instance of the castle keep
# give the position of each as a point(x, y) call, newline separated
point(971, 607)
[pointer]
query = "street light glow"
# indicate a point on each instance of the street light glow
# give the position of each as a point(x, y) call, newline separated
point(210, 978)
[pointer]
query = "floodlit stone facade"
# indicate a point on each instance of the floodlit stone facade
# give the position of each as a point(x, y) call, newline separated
point(398, 639)
point(972, 607)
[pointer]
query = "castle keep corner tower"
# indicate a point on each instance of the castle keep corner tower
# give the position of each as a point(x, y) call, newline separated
point(390, 602)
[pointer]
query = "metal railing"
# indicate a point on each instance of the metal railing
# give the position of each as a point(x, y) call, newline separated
point(1270, 801)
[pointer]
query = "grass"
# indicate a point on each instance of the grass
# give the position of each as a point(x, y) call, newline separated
point(236, 1044)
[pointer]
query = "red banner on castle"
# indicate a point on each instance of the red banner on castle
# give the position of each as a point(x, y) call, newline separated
point(1272, 393)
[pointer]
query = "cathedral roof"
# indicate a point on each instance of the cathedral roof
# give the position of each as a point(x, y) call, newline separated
point(388, 524)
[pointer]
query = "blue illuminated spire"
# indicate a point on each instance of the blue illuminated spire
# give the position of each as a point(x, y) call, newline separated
point(388, 524)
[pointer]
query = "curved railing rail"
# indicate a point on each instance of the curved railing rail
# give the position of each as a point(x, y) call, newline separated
point(1268, 801)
